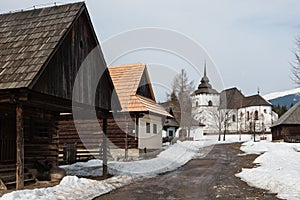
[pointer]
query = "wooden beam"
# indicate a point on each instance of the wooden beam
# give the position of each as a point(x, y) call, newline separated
point(104, 163)
point(20, 148)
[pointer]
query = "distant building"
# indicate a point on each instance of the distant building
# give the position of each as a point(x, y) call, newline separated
point(230, 110)
point(288, 125)
point(170, 125)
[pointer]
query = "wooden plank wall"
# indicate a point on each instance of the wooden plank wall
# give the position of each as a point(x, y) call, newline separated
point(91, 134)
point(60, 73)
point(40, 136)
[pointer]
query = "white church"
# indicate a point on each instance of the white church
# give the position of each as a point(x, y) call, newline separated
point(230, 110)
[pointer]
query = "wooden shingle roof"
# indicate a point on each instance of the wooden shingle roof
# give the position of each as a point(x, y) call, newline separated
point(27, 40)
point(231, 98)
point(126, 80)
point(256, 100)
point(291, 117)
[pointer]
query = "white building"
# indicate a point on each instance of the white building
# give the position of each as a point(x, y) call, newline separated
point(230, 110)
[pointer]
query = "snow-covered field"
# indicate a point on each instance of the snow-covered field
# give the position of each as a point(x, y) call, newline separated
point(278, 168)
point(72, 187)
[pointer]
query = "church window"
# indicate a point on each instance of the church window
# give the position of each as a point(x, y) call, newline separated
point(256, 115)
point(210, 103)
point(197, 104)
point(233, 118)
point(247, 116)
point(265, 111)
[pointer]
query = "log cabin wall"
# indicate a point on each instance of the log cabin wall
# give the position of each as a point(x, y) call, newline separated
point(116, 132)
point(40, 136)
point(88, 143)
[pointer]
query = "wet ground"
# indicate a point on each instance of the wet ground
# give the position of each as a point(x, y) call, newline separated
point(211, 177)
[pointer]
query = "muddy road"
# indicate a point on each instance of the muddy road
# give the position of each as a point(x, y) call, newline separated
point(211, 177)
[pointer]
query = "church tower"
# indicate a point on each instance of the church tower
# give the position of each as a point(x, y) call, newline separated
point(205, 101)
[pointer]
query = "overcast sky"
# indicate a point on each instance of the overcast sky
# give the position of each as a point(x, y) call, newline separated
point(250, 42)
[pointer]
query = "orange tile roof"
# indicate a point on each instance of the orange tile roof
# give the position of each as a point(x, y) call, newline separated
point(126, 79)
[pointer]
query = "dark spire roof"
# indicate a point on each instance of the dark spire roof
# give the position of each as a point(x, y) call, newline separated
point(205, 87)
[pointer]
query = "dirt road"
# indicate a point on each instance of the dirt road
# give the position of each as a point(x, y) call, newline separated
point(212, 177)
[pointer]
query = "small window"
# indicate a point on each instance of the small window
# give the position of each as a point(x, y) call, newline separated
point(247, 116)
point(210, 103)
point(256, 115)
point(154, 128)
point(147, 127)
point(197, 104)
point(233, 118)
point(171, 133)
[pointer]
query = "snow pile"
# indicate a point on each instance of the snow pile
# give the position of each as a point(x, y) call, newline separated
point(71, 187)
point(278, 169)
point(89, 168)
point(170, 159)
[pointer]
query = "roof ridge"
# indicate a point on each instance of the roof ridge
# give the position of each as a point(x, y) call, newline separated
point(29, 9)
point(129, 65)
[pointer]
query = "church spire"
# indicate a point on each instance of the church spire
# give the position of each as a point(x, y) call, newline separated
point(205, 68)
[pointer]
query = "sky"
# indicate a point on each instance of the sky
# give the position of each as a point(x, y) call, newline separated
point(246, 44)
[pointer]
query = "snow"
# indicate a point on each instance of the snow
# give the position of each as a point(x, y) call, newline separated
point(173, 157)
point(277, 170)
point(275, 95)
point(72, 187)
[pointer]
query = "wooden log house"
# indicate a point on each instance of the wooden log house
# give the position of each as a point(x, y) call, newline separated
point(287, 127)
point(139, 125)
point(41, 51)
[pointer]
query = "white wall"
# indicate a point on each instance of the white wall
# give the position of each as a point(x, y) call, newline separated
point(150, 140)
point(196, 133)
point(203, 99)
point(205, 114)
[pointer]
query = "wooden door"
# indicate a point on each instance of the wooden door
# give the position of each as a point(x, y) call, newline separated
point(7, 137)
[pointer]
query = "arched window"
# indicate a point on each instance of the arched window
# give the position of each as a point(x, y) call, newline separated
point(256, 115)
point(241, 115)
point(233, 118)
point(247, 116)
point(197, 104)
point(210, 103)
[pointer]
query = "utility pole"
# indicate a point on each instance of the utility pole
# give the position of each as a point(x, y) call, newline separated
point(126, 138)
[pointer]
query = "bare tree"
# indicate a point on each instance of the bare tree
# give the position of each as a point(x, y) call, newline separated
point(296, 64)
point(219, 120)
point(182, 89)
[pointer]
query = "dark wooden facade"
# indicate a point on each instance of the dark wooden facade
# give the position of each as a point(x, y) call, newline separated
point(287, 127)
point(45, 64)
point(289, 133)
